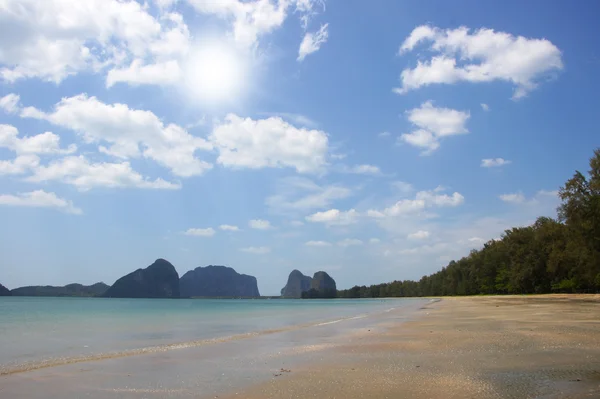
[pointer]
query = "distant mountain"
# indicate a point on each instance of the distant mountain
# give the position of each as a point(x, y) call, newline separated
point(4, 291)
point(321, 286)
point(159, 280)
point(217, 281)
point(297, 284)
point(322, 281)
point(68, 290)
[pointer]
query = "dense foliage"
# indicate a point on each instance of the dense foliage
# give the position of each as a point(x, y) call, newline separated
point(68, 290)
point(549, 256)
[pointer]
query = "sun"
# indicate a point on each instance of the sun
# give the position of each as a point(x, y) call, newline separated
point(214, 72)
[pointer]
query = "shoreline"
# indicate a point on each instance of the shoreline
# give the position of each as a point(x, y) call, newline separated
point(11, 369)
point(197, 369)
point(545, 346)
point(537, 346)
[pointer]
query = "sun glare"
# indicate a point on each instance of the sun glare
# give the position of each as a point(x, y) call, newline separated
point(214, 73)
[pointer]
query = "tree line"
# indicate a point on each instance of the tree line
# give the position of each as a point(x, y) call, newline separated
point(551, 256)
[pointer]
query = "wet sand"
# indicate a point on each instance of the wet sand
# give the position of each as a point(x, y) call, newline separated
point(477, 347)
point(197, 369)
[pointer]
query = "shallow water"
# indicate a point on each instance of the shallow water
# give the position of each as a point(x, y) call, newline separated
point(40, 332)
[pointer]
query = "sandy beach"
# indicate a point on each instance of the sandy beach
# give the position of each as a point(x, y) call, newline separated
point(474, 347)
point(477, 347)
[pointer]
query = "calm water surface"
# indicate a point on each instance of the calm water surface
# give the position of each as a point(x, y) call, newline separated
point(37, 329)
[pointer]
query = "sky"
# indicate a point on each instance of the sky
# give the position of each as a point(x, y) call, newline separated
point(376, 141)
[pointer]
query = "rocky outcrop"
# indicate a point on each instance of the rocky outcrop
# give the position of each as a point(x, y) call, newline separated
point(77, 290)
point(4, 291)
point(297, 284)
point(322, 281)
point(217, 281)
point(159, 280)
point(322, 286)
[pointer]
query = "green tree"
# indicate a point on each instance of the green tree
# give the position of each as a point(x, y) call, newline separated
point(549, 256)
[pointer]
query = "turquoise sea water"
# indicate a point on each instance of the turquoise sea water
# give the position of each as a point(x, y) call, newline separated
point(42, 329)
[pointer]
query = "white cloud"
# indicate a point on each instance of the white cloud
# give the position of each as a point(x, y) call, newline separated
point(296, 223)
point(338, 156)
point(301, 194)
point(432, 124)
point(228, 227)
point(39, 199)
point(374, 240)
point(307, 9)
point(440, 121)
point(425, 249)
point(298, 119)
point(418, 235)
point(419, 34)
point(317, 244)
point(423, 139)
point(10, 103)
point(256, 250)
point(138, 73)
point(317, 199)
point(32, 112)
point(165, 3)
point(373, 213)
point(519, 198)
point(432, 198)
point(402, 187)
point(334, 217)
point(201, 121)
point(52, 39)
point(422, 201)
point(546, 193)
point(255, 18)
point(20, 165)
point(365, 170)
point(515, 198)
point(79, 172)
point(260, 224)
point(485, 107)
point(207, 232)
point(313, 41)
point(452, 237)
point(44, 143)
point(476, 240)
point(127, 40)
point(494, 162)
point(131, 133)
point(250, 19)
point(271, 142)
point(483, 55)
point(402, 207)
point(384, 135)
point(349, 242)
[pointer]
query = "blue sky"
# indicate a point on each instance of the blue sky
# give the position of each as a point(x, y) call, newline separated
point(374, 141)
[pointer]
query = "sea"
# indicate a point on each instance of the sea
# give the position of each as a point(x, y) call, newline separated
point(43, 334)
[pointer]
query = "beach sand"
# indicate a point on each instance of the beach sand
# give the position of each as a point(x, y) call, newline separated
point(476, 347)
